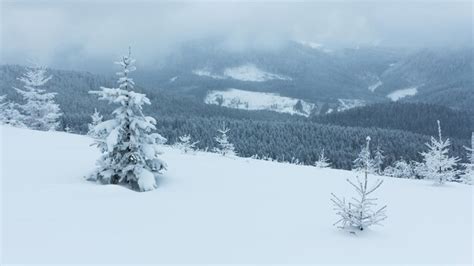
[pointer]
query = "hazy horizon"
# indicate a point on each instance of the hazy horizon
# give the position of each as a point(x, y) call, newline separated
point(78, 35)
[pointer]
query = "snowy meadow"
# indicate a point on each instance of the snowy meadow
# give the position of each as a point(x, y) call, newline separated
point(150, 132)
point(213, 209)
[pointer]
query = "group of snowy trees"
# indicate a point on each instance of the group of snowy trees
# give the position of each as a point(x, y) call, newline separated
point(225, 147)
point(39, 110)
point(436, 165)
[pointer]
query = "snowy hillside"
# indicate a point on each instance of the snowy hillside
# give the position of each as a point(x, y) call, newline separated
point(402, 93)
point(251, 100)
point(247, 72)
point(346, 104)
point(212, 209)
point(315, 45)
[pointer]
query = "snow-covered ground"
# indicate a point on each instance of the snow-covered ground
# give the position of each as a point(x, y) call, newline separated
point(250, 72)
point(212, 209)
point(204, 72)
point(374, 86)
point(402, 93)
point(246, 72)
point(315, 45)
point(346, 104)
point(251, 100)
point(173, 79)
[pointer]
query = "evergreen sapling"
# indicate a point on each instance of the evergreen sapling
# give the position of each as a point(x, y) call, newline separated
point(130, 151)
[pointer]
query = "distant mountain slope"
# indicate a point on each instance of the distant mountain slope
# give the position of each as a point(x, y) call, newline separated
point(275, 135)
point(414, 117)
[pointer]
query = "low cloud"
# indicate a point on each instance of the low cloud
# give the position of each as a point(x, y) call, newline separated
point(76, 35)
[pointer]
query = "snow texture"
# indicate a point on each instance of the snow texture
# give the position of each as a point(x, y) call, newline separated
point(374, 86)
point(250, 72)
point(212, 209)
point(346, 104)
point(251, 100)
point(402, 93)
point(316, 46)
point(246, 72)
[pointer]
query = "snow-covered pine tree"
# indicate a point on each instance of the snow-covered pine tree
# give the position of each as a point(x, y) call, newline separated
point(437, 164)
point(359, 212)
point(364, 161)
point(400, 169)
point(9, 114)
point(467, 176)
point(96, 119)
point(185, 143)
point(130, 151)
point(378, 160)
point(225, 147)
point(323, 161)
point(40, 110)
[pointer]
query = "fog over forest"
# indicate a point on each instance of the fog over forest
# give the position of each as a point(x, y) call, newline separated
point(84, 35)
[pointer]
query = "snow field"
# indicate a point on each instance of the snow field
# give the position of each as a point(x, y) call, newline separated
point(212, 209)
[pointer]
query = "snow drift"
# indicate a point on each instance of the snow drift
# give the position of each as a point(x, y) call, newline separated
point(212, 209)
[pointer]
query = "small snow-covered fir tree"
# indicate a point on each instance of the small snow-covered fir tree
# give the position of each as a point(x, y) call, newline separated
point(40, 110)
point(437, 164)
point(96, 119)
point(130, 149)
point(359, 213)
point(467, 176)
point(378, 160)
point(225, 147)
point(323, 161)
point(400, 169)
point(364, 161)
point(9, 114)
point(185, 143)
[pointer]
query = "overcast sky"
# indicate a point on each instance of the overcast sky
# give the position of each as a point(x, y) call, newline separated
point(63, 33)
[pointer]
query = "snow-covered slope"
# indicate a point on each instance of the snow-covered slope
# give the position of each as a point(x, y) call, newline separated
point(212, 209)
point(251, 100)
point(346, 104)
point(402, 93)
point(315, 45)
point(246, 72)
point(374, 86)
point(250, 72)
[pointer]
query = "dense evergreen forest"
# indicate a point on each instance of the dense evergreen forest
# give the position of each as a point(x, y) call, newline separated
point(267, 134)
point(414, 117)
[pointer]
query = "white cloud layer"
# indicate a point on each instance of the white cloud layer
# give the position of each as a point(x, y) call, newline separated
point(77, 33)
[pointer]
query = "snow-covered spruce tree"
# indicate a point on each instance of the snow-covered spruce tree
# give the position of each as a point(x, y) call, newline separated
point(378, 160)
point(400, 169)
point(9, 114)
point(185, 144)
point(364, 161)
point(225, 147)
point(323, 161)
point(40, 110)
point(467, 176)
point(96, 119)
point(359, 213)
point(437, 164)
point(130, 151)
